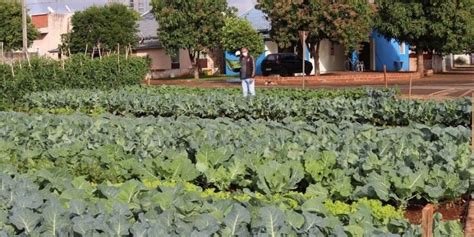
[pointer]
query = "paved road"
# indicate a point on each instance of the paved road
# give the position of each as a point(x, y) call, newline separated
point(458, 83)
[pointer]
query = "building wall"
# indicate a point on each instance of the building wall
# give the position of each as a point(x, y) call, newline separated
point(390, 53)
point(159, 59)
point(331, 57)
point(50, 37)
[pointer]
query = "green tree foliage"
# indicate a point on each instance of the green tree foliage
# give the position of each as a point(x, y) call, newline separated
point(345, 22)
point(10, 26)
point(195, 25)
point(105, 27)
point(438, 26)
point(238, 33)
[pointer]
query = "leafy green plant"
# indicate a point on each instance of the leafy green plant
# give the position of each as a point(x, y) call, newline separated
point(376, 109)
point(343, 162)
point(58, 205)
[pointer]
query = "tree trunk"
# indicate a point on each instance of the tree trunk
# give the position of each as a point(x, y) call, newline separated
point(217, 56)
point(316, 59)
point(420, 62)
point(194, 57)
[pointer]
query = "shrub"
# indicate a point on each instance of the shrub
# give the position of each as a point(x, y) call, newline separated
point(78, 72)
point(460, 61)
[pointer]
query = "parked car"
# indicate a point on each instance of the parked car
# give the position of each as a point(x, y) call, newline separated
point(284, 64)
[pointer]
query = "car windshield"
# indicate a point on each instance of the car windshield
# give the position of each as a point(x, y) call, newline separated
point(272, 57)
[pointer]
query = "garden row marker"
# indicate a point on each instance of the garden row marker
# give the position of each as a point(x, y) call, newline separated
point(385, 75)
point(427, 220)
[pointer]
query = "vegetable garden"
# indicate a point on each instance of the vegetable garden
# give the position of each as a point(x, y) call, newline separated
point(170, 161)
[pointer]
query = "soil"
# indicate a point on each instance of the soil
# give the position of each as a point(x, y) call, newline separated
point(454, 210)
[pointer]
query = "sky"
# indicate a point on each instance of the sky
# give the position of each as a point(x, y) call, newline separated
point(40, 6)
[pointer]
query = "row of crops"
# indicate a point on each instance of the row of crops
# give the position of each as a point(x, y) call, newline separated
point(170, 161)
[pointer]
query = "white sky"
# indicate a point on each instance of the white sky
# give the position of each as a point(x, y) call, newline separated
point(39, 6)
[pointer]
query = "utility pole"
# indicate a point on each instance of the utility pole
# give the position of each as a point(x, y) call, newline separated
point(24, 25)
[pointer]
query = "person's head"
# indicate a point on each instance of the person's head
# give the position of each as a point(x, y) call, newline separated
point(245, 52)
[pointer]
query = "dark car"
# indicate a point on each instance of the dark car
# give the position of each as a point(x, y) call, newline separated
point(284, 64)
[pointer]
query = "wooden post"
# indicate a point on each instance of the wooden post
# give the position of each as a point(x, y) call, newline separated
point(118, 57)
point(1, 53)
point(62, 59)
point(410, 88)
point(472, 121)
point(28, 58)
point(85, 52)
point(100, 53)
point(13, 70)
point(427, 220)
point(93, 51)
point(385, 75)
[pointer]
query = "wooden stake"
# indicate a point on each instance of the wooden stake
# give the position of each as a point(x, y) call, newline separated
point(100, 53)
point(385, 75)
point(28, 58)
point(13, 70)
point(472, 121)
point(411, 84)
point(93, 51)
point(62, 59)
point(118, 57)
point(427, 220)
point(85, 52)
point(1, 53)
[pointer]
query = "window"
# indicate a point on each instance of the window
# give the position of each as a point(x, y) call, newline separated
point(141, 6)
point(402, 48)
point(272, 57)
point(288, 57)
point(175, 60)
point(132, 4)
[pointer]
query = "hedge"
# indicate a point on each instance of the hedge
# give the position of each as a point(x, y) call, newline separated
point(77, 72)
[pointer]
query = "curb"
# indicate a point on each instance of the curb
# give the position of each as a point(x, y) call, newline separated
point(469, 227)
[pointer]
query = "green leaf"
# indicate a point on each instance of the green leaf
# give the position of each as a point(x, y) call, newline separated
point(25, 219)
point(272, 219)
point(236, 220)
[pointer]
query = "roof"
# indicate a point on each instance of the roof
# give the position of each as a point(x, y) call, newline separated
point(148, 26)
point(150, 44)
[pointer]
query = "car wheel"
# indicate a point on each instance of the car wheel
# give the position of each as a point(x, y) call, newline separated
point(284, 72)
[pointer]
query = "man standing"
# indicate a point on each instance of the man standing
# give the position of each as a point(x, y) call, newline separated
point(247, 73)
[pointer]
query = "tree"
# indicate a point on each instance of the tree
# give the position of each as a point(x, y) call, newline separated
point(195, 25)
point(238, 33)
point(11, 26)
point(437, 26)
point(347, 22)
point(105, 27)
